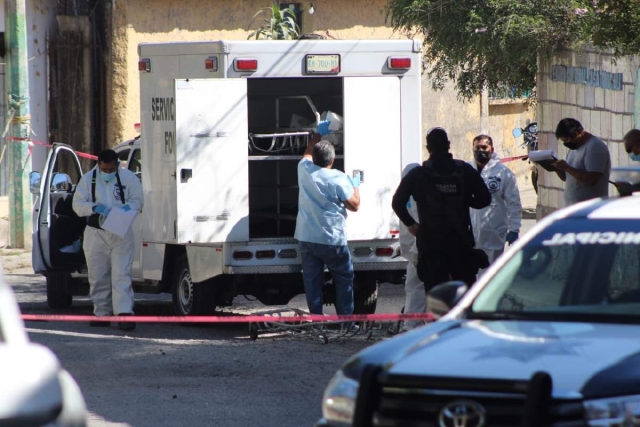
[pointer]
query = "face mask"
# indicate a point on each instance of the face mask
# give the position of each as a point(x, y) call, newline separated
point(571, 145)
point(482, 157)
point(634, 157)
point(107, 176)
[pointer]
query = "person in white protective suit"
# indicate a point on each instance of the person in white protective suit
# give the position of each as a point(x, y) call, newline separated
point(109, 256)
point(415, 296)
point(498, 223)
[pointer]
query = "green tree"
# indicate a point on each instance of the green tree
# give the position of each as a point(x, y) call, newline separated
point(279, 24)
point(495, 43)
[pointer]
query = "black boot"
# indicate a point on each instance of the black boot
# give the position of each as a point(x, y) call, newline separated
point(126, 326)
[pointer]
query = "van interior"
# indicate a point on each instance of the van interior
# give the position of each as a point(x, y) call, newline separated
point(282, 113)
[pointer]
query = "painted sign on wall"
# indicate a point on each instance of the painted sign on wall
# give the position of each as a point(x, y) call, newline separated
point(586, 76)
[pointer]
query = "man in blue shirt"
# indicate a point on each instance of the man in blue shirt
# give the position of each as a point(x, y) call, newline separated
point(325, 196)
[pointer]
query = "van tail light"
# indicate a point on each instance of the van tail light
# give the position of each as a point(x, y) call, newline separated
point(384, 251)
point(288, 253)
point(362, 251)
point(245, 64)
point(242, 255)
point(144, 65)
point(267, 254)
point(211, 63)
point(399, 63)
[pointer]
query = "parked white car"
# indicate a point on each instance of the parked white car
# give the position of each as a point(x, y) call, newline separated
point(35, 390)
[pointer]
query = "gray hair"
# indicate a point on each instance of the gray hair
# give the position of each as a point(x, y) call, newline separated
point(323, 154)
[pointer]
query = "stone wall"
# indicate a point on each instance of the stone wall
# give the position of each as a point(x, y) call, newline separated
point(589, 86)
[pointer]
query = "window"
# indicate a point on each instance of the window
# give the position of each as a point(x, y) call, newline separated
point(123, 156)
point(135, 164)
point(297, 11)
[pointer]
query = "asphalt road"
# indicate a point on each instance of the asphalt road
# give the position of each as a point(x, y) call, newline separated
point(175, 375)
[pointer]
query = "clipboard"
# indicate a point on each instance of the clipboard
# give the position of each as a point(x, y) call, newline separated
point(544, 158)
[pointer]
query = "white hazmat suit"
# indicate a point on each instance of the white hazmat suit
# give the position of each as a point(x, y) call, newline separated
point(109, 256)
point(504, 214)
point(415, 295)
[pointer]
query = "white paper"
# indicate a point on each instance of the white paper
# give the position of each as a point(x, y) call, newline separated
point(541, 155)
point(119, 221)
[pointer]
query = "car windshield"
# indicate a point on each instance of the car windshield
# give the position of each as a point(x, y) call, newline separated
point(576, 269)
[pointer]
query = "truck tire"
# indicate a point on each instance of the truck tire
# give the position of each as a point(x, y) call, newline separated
point(191, 299)
point(365, 295)
point(57, 295)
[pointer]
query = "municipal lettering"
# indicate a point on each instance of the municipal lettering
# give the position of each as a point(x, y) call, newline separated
point(594, 238)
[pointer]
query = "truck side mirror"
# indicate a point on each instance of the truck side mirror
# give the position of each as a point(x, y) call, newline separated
point(443, 297)
point(34, 182)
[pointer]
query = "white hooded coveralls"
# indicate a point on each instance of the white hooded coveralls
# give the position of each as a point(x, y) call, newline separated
point(504, 214)
point(109, 256)
point(415, 295)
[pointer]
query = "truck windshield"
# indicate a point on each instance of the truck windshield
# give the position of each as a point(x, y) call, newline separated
point(577, 269)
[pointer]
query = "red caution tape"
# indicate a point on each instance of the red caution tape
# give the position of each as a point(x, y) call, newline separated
point(44, 144)
point(510, 159)
point(228, 319)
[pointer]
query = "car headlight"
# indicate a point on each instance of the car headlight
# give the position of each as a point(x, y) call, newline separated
point(339, 401)
point(617, 411)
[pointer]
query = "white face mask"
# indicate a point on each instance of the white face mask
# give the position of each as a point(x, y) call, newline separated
point(107, 177)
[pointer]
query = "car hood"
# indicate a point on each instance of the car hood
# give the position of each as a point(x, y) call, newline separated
point(595, 360)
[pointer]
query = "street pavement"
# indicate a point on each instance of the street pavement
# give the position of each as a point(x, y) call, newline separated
point(174, 375)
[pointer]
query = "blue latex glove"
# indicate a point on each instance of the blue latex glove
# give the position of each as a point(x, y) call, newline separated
point(99, 209)
point(323, 127)
point(126, 208)
point(512, 236)
point(355, 181)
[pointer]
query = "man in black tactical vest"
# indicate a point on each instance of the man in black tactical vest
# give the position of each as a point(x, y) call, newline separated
point(444, 189)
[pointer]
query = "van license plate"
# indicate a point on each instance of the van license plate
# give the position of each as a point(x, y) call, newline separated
point(322, 64)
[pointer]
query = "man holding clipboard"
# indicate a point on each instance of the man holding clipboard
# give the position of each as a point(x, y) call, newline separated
point(109, 255)
point(588, 164)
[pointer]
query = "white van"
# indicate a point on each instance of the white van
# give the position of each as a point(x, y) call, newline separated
point(224, 125)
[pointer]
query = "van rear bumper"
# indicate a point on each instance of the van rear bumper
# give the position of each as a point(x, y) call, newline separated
point(297, 268)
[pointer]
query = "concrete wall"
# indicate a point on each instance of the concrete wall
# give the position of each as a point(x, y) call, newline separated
point(607, 113)
point(136, 21)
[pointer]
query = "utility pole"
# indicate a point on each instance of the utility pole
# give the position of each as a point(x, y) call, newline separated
point(17, 82)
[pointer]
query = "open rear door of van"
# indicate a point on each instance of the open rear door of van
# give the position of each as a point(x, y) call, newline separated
point(372, 145)
point(57, 230)
point(212, 175)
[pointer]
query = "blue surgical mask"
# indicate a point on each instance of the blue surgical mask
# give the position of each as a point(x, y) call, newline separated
point(107, 176)
point(634, 157)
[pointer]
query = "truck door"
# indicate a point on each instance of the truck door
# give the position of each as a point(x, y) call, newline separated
point(212, 174)
point(57, 229)
point(372, 144)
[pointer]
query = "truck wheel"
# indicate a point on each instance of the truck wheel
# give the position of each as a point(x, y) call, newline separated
point(57, 295)
point(365, 295)
point(191, 299)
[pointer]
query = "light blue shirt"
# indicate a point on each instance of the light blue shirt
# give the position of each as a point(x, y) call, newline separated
point(321, 211)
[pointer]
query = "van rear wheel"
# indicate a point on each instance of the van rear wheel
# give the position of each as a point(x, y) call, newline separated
point(191, 299)
point(58, 296)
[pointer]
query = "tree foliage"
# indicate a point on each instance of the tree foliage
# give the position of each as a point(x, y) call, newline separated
point(495, 43)
point(279, 24)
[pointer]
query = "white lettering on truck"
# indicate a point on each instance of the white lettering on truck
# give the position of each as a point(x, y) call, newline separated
point(593, 238)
